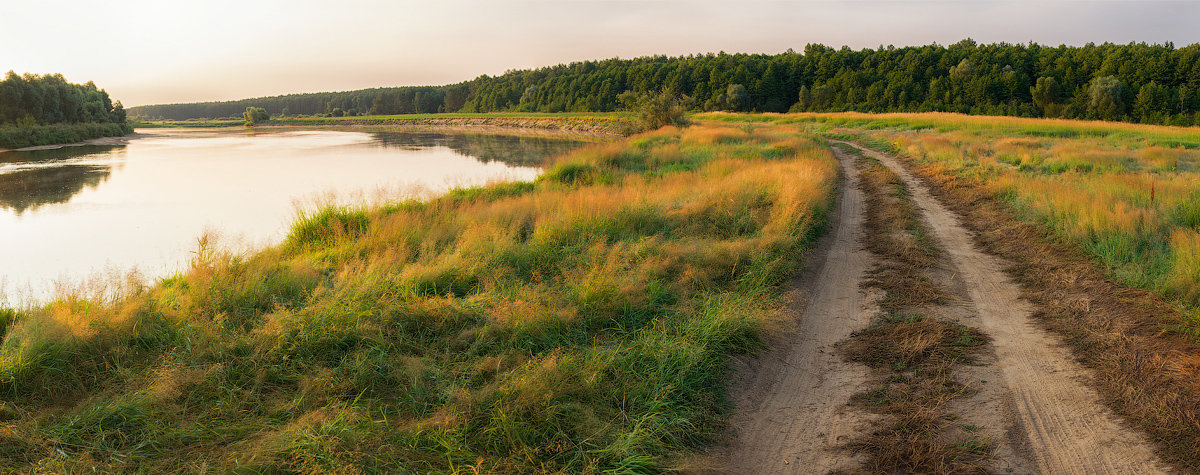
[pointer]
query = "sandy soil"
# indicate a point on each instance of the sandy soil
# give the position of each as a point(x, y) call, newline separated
point(1031, 401)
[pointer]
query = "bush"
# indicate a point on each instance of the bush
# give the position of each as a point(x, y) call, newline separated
point(657, 110)
point(254, 115)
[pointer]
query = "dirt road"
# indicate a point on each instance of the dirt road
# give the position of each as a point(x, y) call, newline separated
point(792, 413)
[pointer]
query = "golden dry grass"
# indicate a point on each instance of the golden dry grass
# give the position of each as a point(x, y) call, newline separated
point(579, 323)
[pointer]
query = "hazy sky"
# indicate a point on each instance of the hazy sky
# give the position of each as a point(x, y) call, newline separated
point(157, 51)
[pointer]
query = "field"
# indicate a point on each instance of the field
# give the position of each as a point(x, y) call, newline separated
point(583, 322)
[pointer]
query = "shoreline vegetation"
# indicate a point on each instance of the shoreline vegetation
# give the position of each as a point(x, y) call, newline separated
point(581, 322)
point(58, 135)
point(597, 124)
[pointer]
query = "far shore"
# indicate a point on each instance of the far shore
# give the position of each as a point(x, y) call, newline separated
point(535, 126)
point(599, 125)
point(122, 140)
point(511, 129)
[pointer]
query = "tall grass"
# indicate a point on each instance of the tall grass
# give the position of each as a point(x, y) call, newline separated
point(579, 323)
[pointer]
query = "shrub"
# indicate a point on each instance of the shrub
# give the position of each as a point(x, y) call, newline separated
point(657, 110)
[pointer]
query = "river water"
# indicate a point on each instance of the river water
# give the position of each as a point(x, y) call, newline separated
point(90, 213)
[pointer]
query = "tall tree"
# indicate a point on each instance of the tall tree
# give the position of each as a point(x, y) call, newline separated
point(1104, 98)
point(1045, 96)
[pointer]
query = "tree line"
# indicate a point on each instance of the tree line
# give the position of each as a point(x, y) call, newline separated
point(28, 100)
point(1136, 82)
point(376, 101)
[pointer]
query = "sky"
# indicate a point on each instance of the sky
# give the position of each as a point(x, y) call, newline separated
point(165, 51)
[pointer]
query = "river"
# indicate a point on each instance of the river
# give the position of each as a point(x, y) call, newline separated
point(94, 213)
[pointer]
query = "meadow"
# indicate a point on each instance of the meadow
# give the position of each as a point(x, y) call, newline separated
point(581, 323)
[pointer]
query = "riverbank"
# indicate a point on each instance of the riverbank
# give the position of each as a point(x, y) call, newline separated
point(579, 323)
point(53, 136)
point(121, 140)
point(604, 124)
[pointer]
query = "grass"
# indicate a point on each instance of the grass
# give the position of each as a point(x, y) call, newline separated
point(581, 323)
point(18, 137)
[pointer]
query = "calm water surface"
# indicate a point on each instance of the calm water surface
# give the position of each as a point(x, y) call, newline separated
point(78, 212)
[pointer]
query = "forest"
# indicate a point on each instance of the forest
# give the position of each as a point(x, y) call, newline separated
point(46, 109)
point(49, 99)
point(1136, 82)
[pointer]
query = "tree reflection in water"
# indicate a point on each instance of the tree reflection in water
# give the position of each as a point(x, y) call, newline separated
point(32, 179)
point(35, 178)
point(509, 149)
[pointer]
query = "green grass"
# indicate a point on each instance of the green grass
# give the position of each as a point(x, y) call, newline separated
point(18, 137)
point(580, 323)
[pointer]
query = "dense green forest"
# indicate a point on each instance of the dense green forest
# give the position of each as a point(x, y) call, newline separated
point(49, 99)
point(1136, 82)
point(46, 109)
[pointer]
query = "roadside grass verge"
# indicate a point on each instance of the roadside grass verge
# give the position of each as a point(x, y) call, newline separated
point(582, 323)
point(914, 355)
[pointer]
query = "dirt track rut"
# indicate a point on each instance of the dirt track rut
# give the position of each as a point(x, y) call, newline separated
point(792, 409)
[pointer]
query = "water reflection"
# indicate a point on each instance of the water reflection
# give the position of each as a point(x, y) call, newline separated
point(509, 149)
point(35, 178)
point(68, 212)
